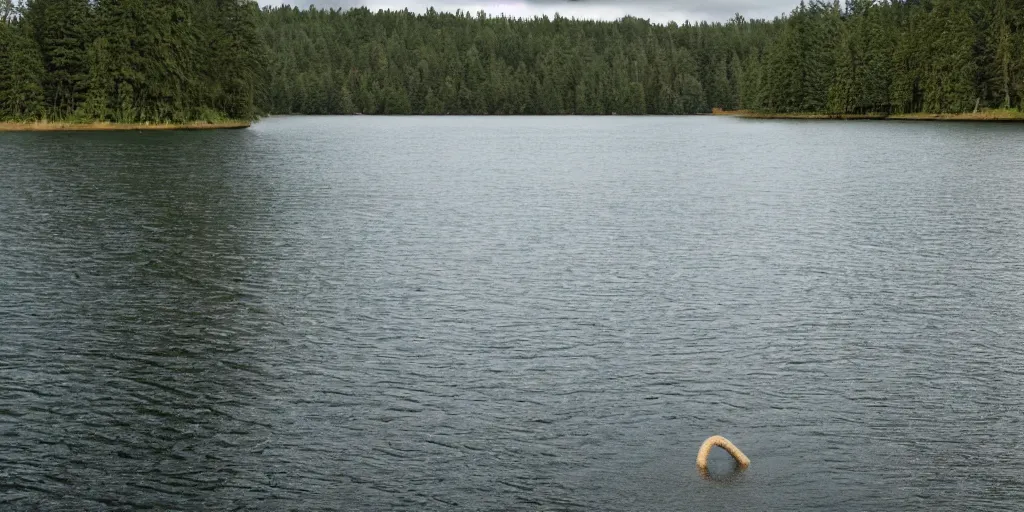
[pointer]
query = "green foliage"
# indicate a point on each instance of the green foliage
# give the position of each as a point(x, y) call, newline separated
point(183, 60)
point(462, 64)
point(842, 96)
point(237, 58)
point(894, 57)
point(949, 84)
point(62, 30)
point(751, 84)
point(131, 60)
point(21, 73)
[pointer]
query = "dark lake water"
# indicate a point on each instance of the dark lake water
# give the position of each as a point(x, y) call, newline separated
point(513, 313)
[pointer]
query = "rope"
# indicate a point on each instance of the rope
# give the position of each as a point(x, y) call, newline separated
point(713, 441)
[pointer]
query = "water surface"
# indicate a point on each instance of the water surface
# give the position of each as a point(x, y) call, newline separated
point(513, 313)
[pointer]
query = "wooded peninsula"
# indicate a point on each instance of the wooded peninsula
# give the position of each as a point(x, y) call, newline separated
point(225, 61)
point(130, 63)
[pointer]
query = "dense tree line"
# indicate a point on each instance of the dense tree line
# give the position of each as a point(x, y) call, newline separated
point(895, 57)
point(889, 56)
point(130, 60)
point(357, 61)
point(182, 60)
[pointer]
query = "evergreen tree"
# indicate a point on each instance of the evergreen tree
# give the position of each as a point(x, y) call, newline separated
point(345, 103)
point(184, 60)
point(949, 80)
point(735, 79)
point(62, 30)
point(751, 87)
point(906, 94)
point(874, 56)
point(237, 58)
point(719, 88)
point(132, 60)
point(102, 84)
point(842, 97)
point(783, 77)
point(433, 105)
point(1001, 43)
point(21, 73)
point(691, 96)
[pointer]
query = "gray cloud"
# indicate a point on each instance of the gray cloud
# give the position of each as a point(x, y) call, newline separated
point(656, 10)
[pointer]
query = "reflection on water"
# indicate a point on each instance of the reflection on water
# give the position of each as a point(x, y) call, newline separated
point(526, 313)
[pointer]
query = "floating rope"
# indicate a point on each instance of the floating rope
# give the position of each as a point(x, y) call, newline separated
point(713, 441)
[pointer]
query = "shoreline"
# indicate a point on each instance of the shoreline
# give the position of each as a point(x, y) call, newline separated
point(999, 116)
point(60, 126)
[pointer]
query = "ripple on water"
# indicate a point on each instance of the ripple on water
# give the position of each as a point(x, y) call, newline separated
point(552, 313)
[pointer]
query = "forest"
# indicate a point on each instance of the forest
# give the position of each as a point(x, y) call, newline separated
point(889, 56)
point(181, 60)
point(131, 61)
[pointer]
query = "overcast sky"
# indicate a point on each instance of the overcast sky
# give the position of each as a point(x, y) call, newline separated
point(660, 11)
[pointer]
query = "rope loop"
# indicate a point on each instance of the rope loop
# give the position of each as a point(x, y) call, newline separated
point(713, 441)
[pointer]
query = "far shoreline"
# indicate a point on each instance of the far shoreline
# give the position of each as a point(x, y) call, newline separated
point(60, 126)
point(998, 116)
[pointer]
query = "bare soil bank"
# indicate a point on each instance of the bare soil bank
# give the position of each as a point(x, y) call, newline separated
point(50, 126)
point(989, 115)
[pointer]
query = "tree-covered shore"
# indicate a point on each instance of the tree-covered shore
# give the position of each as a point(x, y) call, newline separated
point(884, 58)
point(990, 115)
point(178, 62)
point(137, 63)
point(107, 126)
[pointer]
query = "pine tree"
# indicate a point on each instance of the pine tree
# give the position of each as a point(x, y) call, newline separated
point(906, 94)
point(719, 88)
point(433, 105)
point(691, 96)
point(636, 100)
point(735, 79)
point(783, 78)
point(549, 100)
point(949, 78)
point(396, 101)
point(6, 37)
point(181, 60)
point(816, 33)
point(1001, 42)
point(236, 58)
point(841, 93)
point(346, 105)
point(21, 74)
point(138, 61)
point(751, 86)
point(62, 30)
point(102, 84)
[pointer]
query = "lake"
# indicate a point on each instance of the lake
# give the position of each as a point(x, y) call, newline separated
point(370, 313)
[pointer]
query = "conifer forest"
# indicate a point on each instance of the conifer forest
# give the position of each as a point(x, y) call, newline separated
point(131, 61)
point(183, 60)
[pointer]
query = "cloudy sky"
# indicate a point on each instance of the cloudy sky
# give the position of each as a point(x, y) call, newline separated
point(656, 10)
